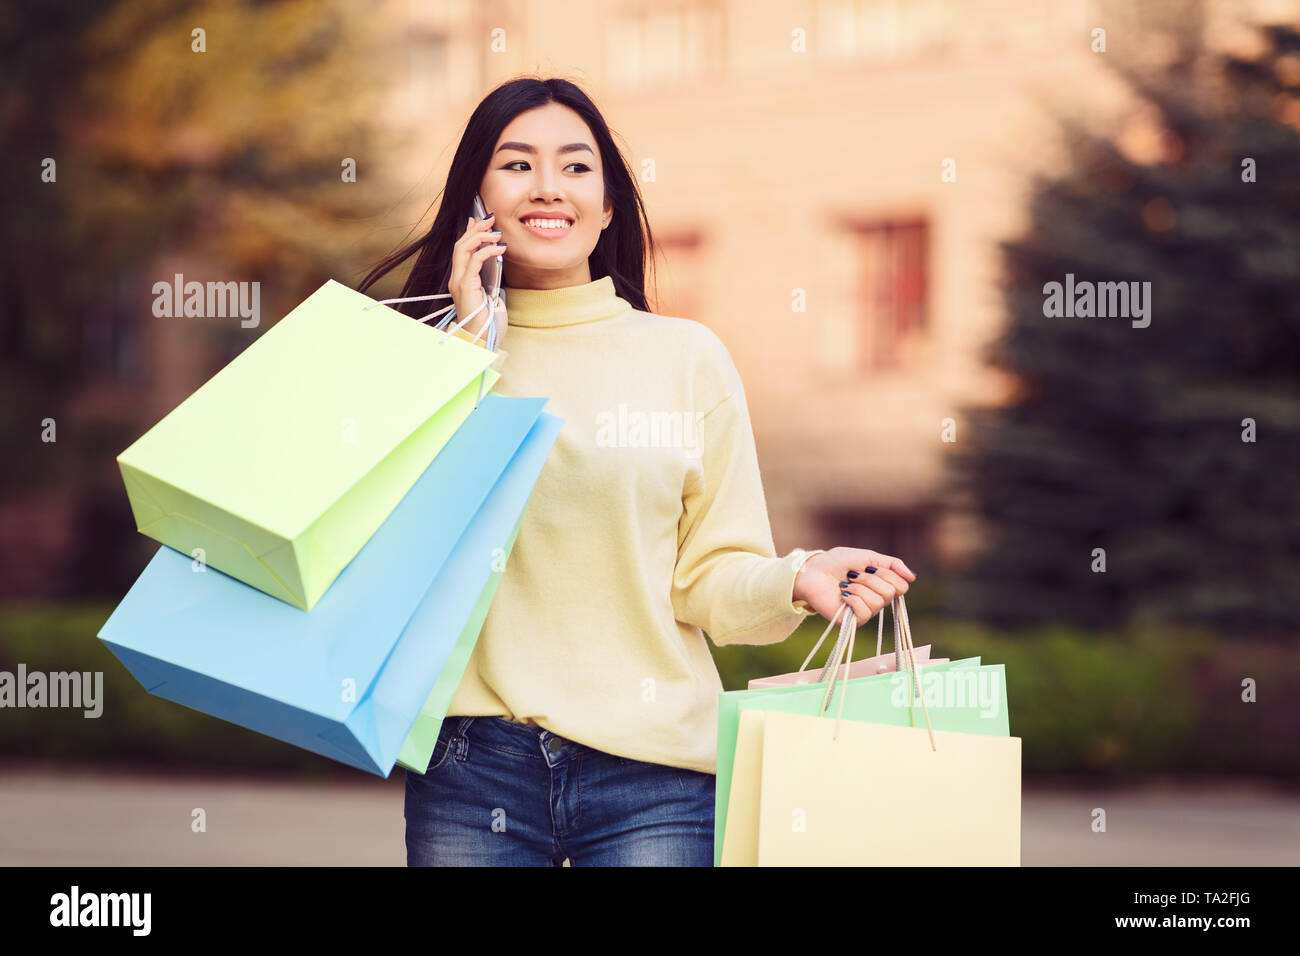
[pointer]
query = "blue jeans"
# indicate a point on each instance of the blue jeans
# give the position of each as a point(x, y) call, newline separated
point(499, 793)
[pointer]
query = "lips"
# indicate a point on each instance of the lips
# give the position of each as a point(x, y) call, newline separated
point(559, 231)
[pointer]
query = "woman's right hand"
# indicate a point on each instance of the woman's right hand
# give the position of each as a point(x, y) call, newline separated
point(478, 244)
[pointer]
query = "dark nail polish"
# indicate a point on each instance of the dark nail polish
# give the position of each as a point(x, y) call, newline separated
point(846, 594)
point(844, 584)
point(853, 574)
point(871, 570)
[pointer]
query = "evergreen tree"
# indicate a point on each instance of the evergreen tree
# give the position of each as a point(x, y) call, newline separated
point(1131, 439)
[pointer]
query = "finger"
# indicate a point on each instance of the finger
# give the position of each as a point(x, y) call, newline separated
point(862, 602)
point(880, 573)
point(487, 251)
point(483, 227)
point(874, 559)
point(473, 242)
point(877, 584)
point(463, 247)
point(897, 581)
point(473, 281)
point(460, 256)
point(475, 229)
point(873, 588)
point(479, 225)
point(896, 565)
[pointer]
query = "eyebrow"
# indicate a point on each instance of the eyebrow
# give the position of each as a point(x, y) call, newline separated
point(527, 148)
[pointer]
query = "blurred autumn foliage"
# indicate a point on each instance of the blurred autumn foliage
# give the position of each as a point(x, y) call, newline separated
point(141, 138)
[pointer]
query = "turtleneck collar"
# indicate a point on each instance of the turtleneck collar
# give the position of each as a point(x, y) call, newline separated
point(572, 305)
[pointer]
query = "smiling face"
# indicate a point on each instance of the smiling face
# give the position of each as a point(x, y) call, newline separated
point(545, 182)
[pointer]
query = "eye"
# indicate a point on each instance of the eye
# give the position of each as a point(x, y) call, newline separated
point(583, 167)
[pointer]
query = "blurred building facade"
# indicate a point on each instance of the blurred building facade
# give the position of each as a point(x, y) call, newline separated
point(827, 179)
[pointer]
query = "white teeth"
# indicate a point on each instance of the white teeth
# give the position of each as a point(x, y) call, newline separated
point(547, 223)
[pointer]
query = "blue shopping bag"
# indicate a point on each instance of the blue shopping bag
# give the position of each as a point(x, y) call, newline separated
point(348, 678)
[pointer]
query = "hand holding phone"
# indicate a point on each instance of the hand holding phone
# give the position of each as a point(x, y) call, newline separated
point(477, 272)
point(491, 273)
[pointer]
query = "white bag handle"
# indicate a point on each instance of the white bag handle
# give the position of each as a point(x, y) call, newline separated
point(880, 636)
point(903, 645)
point(490, 326)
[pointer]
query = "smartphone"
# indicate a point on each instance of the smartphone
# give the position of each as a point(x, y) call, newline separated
point(490, 274)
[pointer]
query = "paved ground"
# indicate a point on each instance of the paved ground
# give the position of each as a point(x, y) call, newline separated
point(91, 817)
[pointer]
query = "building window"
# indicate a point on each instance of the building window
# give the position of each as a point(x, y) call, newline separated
point(112, 336)
point(899, 31)
point(664, 43)
point(906, 533)
point(893, 290)
point(429, 82)
point(883, 29)
point(228, 340)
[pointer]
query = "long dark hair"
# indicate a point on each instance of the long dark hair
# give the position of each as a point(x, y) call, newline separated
point(622, 248)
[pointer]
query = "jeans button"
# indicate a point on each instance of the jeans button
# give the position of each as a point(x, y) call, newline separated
point(554, 744)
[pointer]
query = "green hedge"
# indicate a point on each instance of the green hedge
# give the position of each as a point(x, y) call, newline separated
point(1155, 702)
point(135, 727)
point(1091, 704)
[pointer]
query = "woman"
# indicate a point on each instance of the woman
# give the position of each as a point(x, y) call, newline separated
point(586, 723)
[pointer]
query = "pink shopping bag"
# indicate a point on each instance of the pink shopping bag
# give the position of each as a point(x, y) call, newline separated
point(866, 667)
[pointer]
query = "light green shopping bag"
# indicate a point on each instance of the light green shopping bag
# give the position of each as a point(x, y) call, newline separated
point(418, 748)
point(279, 468)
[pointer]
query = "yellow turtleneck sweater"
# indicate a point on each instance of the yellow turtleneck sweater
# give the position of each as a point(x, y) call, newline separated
point(648, 523)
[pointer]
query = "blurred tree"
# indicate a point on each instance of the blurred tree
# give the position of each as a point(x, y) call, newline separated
point(1130, 439)
point(229, 158)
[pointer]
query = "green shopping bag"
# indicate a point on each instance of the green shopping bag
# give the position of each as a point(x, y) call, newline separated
point(418, 748)
point(963, 696)
point(280, 467)
point(827, 792)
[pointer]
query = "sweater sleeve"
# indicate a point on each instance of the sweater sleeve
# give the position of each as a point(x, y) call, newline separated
point(728, 580)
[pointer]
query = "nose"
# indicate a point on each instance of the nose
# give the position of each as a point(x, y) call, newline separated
point(545, 188)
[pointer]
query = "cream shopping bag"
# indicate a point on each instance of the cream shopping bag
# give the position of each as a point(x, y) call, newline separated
point(870, 699)
point(881, 796)
point(849, 793)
